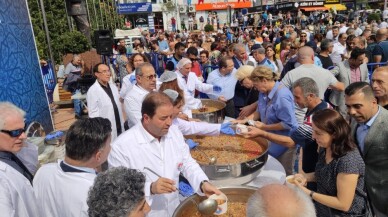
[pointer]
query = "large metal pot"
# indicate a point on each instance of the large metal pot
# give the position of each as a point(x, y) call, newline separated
point(237, 173)
point(217, 116)
point(234, 194)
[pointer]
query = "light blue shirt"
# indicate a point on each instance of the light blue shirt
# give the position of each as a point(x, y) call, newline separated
point(163, 45)
point(267, 63)
point(278, 107)
point(226, 82)
point(363, 129)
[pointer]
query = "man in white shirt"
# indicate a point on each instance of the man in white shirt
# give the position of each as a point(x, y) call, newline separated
point(16, 192)
point(189, 82)
point(159, 146)
point(333, 34)
point(61, 189)
point(145, 83)
point(339, 49)
point(225, 77)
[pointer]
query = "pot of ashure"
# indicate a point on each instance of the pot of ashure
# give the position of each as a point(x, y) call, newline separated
point(212, 111)
point(239, 160)
point(236, 204)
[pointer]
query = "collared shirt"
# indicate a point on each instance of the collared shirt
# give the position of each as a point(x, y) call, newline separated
point(155, 143)
point(132, 104)
point(226, 82)
point(83, 169)
point(278, 107)
point(13, 161)
point(363, 129)
point(355, 74)
point(338, 50)
point(268, 63)
point(115, 108)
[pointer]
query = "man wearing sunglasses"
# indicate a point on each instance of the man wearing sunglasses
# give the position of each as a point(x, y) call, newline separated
point(16, 192)
point(145, 83)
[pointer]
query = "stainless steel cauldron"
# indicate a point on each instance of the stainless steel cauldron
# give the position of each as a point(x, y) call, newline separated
point(234, 194)
point(212, 117)
point(237, 173)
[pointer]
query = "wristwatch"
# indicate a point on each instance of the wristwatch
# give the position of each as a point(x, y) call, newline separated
point(200, 185)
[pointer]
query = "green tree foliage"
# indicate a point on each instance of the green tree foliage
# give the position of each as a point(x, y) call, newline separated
point(102, 15)
point(209, 28)
point(71, 42)
point(373, 16)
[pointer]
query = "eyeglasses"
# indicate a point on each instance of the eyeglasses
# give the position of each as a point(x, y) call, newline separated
point(303, 36)
point(14, 133)
point(203, 56)
point(294, 48)
point(150, 77)
point(189, 42)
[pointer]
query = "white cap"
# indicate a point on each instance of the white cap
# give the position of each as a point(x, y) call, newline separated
point(167, 76)
point(172, 94)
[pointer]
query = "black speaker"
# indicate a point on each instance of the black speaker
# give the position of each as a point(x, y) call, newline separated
point(104, 42)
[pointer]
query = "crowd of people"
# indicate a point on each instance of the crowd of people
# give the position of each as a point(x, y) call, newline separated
point(295, 85)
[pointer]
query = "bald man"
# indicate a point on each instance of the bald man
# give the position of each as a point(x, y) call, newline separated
point(380, 85)
point(279, 200)
point(380, 51)
point(323, 77)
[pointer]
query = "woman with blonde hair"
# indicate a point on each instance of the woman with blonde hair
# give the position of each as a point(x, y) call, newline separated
point(275, 110)
point(243, 75)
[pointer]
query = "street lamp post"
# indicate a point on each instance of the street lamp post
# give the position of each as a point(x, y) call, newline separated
point(47, 32)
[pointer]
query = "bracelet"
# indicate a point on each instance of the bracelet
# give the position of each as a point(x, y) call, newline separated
point(200, 185)
point(311, 194)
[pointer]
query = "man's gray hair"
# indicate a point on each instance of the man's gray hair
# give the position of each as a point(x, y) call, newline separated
point(139, 69)
point(7, 109)
point(308, 86)
point(257, 205)
point(238, 47)
point(116, 192)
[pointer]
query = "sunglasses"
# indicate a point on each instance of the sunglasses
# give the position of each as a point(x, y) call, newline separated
point(14, 133)
point(150, 77)
point(303, 36)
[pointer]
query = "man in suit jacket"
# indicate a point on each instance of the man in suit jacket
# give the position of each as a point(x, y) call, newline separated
point(369, 127)
point(347, 72)
point(240, 92)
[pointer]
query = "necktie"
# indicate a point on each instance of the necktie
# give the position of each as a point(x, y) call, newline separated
point(185, 77)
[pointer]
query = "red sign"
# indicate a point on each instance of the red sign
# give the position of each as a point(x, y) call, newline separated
point(222, 5)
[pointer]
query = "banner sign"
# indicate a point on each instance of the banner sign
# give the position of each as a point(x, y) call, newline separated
point(310, 4)
point(128, 8)
point(222, 6)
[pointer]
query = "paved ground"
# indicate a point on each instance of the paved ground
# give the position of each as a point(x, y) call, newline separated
point(63, 118)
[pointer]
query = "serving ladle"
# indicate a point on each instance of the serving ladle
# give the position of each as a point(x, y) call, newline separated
point(206, 207)
point(212, 160)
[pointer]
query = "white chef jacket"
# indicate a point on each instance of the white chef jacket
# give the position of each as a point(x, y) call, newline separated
point(100, 105)
point(189, 89)
point(136, 149)
point(132, 104)
point(127, 85)
point(16, 194)
point(60, 193)
point(197, 128)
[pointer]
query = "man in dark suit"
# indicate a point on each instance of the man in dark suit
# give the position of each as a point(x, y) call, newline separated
point(240, 92)
point(369, 127)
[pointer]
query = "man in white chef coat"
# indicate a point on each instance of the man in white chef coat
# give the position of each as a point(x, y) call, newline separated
point(156, 144)
point(145, 83)
point(61, 189)
point(189, 83)
point(104, 100)
point(16, 192)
